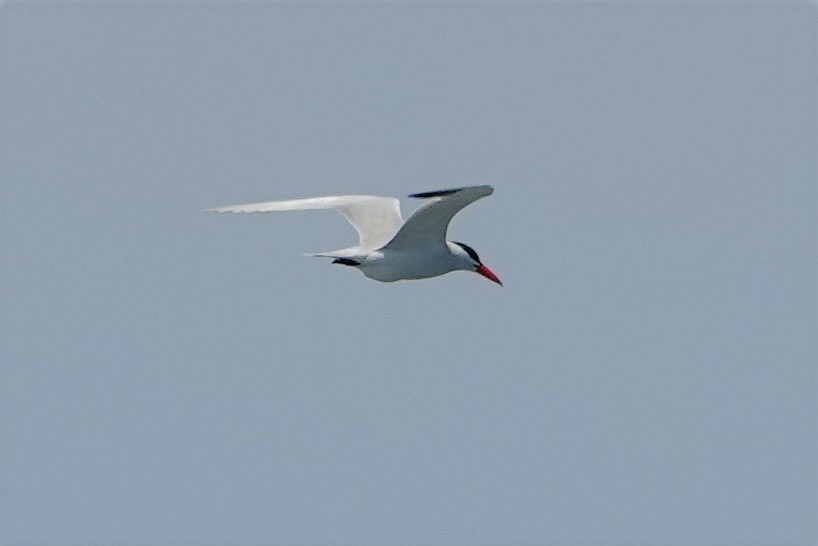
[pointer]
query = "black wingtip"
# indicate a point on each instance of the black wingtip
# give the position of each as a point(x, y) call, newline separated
point(428, 194)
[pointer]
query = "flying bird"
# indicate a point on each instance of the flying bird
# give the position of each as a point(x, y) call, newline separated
point(388, 248)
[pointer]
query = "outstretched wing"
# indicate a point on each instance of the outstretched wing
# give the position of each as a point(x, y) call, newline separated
point(376, 219)
point(427, 226)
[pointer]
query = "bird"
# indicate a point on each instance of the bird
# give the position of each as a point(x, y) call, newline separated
point(388, 248)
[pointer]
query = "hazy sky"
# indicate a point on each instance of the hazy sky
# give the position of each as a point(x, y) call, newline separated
point(646, 375)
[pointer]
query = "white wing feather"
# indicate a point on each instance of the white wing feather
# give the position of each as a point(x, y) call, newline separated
point(428, 225)
point(376, 219)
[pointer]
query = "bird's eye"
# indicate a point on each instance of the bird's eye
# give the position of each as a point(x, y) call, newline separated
point(469, 250)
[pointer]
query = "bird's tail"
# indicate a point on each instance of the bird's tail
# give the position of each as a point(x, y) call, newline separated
point(343, 253)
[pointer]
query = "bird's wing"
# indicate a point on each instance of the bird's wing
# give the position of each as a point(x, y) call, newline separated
point(376, 219)
point(429, 223)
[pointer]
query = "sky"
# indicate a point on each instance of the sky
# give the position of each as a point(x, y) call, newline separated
point(646, 375)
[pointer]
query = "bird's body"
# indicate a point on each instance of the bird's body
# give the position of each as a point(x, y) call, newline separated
point(388, 248)
point(395, 265)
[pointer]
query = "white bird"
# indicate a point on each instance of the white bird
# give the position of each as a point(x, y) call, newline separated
point(388, 248)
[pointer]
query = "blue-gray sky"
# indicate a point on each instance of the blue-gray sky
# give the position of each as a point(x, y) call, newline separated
point(645, 376)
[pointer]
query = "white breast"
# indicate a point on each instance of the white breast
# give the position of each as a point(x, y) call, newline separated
point(390, 266)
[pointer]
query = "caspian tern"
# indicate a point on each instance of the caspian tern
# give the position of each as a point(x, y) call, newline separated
point(388, 248)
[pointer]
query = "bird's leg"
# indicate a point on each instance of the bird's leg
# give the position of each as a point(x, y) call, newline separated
point(346, 261)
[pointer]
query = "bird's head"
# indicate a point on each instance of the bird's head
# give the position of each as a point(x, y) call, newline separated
point(470, 261)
